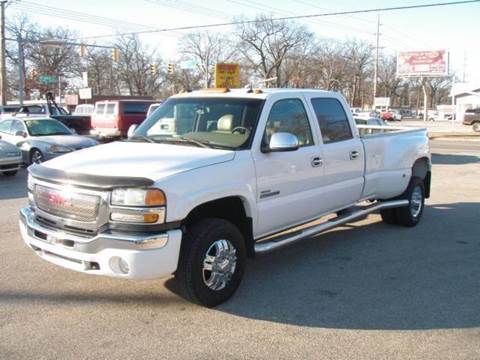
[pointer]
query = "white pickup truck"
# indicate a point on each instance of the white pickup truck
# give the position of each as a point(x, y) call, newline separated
point(213, 177)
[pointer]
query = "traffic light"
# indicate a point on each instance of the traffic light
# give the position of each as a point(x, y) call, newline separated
point(33, 74)
point(170, 68)
point(153, 69)
point(83, 50)
point(115, 54)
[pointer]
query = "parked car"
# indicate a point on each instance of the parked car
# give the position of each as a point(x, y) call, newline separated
point(10, 158)
point(472, 117)
point(370, 121)
point(152, 108)
point(397, 115)
point(240, 169)
point(79, 123)
point(42, 139)
point(113, 118)
point(84, 110)
point(366, 114)
point(387, 116)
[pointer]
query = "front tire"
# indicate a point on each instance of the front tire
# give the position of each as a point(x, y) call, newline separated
point(476, 127)
point(212, 262)
point(36, 157)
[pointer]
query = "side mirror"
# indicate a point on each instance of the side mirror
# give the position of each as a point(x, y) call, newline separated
point(21, 133)
point(74, 132)
point(282, 141)
point(131, 130)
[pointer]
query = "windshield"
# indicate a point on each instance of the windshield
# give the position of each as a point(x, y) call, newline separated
point(214, 122)
point(43, 127)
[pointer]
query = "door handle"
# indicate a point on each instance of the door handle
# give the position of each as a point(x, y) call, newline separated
point(317, 161)
point(354, 154)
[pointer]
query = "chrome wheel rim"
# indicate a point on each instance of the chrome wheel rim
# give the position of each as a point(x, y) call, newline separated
point(416, 201)
point(37, 157)
point(219, 264)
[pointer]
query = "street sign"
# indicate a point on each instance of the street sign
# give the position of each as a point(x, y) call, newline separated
point(85, 93)
point(227, 75)
point(47, 79)
point(422, 63)
point(381, 102)
point(188, 64)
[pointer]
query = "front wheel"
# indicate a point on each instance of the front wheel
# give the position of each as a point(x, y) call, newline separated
point(212, 262)
point(36, 157)
point(476, 127)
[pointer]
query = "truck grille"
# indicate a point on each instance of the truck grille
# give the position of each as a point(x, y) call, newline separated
point(67, 204)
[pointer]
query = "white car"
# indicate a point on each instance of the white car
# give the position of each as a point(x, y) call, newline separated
point(237, 176)
point(10, 159)
point(84, 109)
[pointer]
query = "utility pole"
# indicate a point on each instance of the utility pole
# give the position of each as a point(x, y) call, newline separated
point(21, 78)
point(3, 67)
point(377, 52)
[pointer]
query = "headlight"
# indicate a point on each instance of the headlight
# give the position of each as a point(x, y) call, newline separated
point(138, 197)
point(133, 205)
point(30, 183)
point(59, 149)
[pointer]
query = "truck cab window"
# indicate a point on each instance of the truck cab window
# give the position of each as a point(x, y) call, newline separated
point(332, 120)
point(289, 116)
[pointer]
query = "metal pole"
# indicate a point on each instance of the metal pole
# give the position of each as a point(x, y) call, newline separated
point(3, 67)
point(375, 70)
point(60, 89)
point(425, 99)
point(21, 79)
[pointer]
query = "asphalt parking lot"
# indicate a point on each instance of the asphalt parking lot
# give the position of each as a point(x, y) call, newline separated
point(363, 291)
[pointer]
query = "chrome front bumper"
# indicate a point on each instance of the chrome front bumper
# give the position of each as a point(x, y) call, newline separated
point(144, 255)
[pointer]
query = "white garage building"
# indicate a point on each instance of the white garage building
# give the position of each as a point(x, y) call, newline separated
point(467, 96)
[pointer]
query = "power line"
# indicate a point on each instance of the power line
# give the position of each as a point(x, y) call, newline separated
point(76, 16)
point(294, 17)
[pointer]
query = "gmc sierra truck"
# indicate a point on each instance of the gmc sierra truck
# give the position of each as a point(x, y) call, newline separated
point(213, 177)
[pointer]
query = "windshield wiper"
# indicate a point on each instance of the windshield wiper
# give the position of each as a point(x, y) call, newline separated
point(193, 141)
point(141, 137)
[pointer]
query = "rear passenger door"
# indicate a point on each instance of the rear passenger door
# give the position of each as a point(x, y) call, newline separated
point(343, 154)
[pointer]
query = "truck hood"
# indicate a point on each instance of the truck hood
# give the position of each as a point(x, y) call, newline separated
point(152, 161)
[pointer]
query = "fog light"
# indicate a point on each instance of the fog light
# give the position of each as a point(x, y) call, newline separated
point(119, 265)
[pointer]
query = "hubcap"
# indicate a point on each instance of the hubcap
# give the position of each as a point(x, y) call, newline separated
point(416, 201)
point(37, 157)
point(219, 264)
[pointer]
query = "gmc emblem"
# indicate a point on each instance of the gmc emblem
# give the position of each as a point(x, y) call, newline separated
point(56, 199)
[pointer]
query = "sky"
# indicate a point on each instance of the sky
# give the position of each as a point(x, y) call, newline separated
point(455, 28)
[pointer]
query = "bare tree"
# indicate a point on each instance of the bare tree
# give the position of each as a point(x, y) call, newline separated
point(265, 44)
point(133, 67)
point(206, 49)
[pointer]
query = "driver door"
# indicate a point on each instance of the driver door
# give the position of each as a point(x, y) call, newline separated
point(289, 182)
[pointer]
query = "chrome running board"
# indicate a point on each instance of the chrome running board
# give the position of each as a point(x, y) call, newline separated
point(283, 240)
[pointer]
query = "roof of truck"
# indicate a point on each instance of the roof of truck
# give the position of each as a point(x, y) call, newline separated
point(248, 93)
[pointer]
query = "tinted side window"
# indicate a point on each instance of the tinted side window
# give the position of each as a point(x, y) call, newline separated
point(135, 108)
point(5, 126)
point(289, 116)
point(332, 120)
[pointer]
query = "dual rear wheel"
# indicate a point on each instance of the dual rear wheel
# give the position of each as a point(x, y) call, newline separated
point(408, 215)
